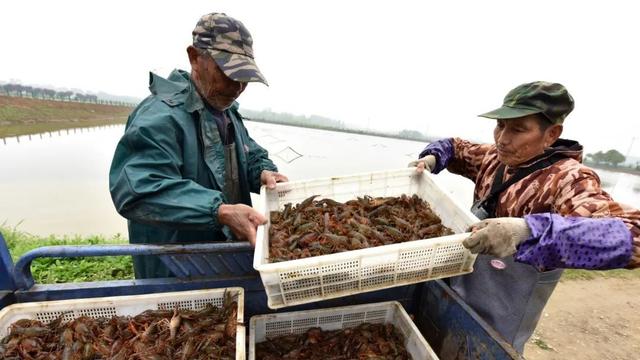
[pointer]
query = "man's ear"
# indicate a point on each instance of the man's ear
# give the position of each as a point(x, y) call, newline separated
point(193, 54)
point(553, 133)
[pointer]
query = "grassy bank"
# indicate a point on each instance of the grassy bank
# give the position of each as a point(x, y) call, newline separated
point(52, 270)
point(24, 116)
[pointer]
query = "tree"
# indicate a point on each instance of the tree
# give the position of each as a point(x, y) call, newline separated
point(67, 95)
point(614, 157)
point(597, 157)
point(38, 92)
point(18, 89)
point(64, 95)
point(51, 94)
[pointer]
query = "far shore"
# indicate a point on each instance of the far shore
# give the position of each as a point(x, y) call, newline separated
point(620, 169)
point(25, 116)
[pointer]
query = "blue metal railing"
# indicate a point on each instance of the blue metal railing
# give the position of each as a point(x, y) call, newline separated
point(7, 285)
point(185, 261)
point(6, 267)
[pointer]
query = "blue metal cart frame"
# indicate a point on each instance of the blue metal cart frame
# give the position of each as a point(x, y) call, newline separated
point(453, 329)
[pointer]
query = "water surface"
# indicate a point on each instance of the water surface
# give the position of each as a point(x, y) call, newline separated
point(57, 183)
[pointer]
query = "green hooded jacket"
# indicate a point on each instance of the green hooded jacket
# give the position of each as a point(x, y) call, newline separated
point(168, 170)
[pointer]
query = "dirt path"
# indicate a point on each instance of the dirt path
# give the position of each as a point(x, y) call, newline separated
point(589, 319)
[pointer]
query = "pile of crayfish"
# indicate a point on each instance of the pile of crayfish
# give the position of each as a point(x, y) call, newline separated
point(320, 227)
point(367, 341)
point(209, 333)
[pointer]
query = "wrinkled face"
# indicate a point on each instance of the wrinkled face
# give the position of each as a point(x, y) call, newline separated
point(521, 139)
point(214, 86)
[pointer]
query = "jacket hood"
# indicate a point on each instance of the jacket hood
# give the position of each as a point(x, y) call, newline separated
point(569, 148)
point(564, 147)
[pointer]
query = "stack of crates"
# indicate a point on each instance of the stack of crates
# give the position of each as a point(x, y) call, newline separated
point(325, 277)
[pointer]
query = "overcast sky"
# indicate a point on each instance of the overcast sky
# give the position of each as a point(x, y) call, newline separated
point(388, 65)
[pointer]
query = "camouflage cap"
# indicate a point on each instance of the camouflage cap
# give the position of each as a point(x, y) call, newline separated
point(539, 97)
point(228, 41)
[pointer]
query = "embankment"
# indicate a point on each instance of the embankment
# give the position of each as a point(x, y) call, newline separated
point(23, 116)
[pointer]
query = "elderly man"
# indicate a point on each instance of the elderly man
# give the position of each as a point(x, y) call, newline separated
point(544, 210)
point(185, 166)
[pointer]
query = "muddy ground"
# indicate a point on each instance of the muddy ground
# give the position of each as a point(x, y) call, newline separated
point(595, 319)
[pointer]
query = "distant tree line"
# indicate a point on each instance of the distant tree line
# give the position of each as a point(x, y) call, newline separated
point(611, 160)
point(612, 157)
point(324, 123)
point(293, 119)
point(49, 94)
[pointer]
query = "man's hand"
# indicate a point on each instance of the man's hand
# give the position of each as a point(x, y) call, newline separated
point(270, 178)
point(498, 236)
point(243, 220)
point(426, 163)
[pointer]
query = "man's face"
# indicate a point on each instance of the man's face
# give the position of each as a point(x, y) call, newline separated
point(521, 139)
point(214, 86)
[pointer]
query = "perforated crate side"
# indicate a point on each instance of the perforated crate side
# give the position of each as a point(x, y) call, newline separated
point(263, 327)
point(132, 305)
point(306, 280)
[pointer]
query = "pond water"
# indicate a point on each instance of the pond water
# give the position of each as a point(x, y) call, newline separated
point(57, 182)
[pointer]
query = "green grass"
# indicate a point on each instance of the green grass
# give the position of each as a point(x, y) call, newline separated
point(24, 116)
point(541, 344)
point(56, 270)
point(39, 128)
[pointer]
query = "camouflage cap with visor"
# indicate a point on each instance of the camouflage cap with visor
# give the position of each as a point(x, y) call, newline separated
point(549, 99)
point(229, 43)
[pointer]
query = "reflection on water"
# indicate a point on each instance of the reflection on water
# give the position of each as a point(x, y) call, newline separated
point(57, 182)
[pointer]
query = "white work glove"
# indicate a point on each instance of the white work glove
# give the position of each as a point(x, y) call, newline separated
point(426, 163)
point(498, 236)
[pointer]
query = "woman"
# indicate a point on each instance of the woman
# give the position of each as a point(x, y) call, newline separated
point(541, 210)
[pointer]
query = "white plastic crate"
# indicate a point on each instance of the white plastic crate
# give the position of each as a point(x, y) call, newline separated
point(263, 327)
point(47, 311)
point(323, 277)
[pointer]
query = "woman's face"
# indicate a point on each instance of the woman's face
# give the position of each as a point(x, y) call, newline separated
point(521, 139)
